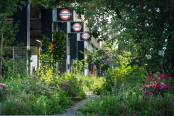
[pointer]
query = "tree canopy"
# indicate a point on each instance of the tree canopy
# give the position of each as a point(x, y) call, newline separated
point(142, 27)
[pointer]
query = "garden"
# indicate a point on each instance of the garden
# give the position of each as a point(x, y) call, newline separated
point(135, 62)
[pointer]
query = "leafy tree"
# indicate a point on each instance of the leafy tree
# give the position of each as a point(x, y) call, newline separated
point(104, 57)
point(143, 27)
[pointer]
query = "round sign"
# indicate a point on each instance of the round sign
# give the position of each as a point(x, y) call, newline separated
point(65, 14)
point(85, 36)
point(77, 27)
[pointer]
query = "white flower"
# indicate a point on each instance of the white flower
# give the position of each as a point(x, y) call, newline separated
point(161, 53)
point(148, 56)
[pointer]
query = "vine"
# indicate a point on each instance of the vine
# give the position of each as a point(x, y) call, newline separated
point(52, 53)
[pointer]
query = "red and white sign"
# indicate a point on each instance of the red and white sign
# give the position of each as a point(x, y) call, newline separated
point(77, 27)
point(64, 14)
point(85, 36)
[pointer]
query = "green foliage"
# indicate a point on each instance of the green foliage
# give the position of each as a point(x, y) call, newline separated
point(51, 54)
point(128, 103)
point(59, 45)
point(34, 96)
point(123, 74)
point(7, 32)
point(78, 66)
point(104, 57)
point(73, 87)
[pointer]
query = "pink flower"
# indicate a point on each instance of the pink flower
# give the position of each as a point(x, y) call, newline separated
point(162, 84)
point(144, 86)
point(148, 91)
point(156, 81)
point(166, 76)
point(140, 88)
point(168, 84)
point(161, 76)
point(1, 87)
point(157, 85)
point(137, 83)
point(149, 86)
point(150, 79)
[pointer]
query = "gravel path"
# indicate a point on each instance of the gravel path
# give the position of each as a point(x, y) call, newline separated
point(73, 111)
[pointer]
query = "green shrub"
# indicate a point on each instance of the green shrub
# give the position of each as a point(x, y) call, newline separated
point(129, 103)
point(14, 106)
point(73, 87)
point(98, 89)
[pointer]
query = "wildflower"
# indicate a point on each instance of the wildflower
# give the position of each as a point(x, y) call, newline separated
point(1, 87)
point(140, 88)
point(37, 83)
point(65, 83)
point(146, 96)
point(148, 91)
point(137, 83)
point(144, 86)
point(157, 85)
point(168, 84)
point(150, 79)
point(166, 76)
point(39, 91)
point(51, 46)
point(162, 84)
point(161, 53)
point(148, 57)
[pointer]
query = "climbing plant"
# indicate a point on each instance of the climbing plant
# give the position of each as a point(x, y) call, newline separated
point(52, 53)
point(58, 46)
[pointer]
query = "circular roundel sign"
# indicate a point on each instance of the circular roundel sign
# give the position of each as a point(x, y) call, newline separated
point(65, 14)
point(77, 27)
point(85, 36)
